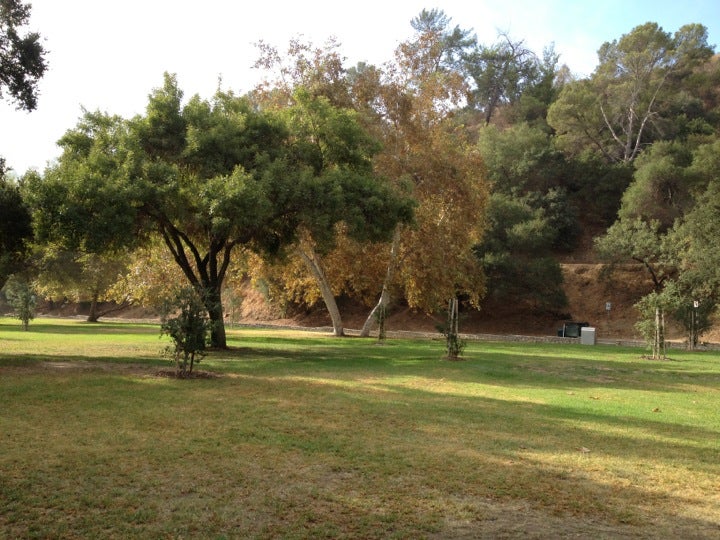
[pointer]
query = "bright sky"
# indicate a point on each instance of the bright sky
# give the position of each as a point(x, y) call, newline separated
point(109, 56)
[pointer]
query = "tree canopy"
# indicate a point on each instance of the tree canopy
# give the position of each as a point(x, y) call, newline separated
point(632, 98)
point(22, 55)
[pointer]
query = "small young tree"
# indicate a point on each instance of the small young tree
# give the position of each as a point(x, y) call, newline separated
point(186, 321)
point(21, 297)
point(454, 344)
point(653, 308)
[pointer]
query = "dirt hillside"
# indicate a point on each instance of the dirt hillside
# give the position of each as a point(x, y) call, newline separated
point(587, 287)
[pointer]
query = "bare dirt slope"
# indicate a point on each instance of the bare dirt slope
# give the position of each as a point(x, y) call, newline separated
point(587, 286)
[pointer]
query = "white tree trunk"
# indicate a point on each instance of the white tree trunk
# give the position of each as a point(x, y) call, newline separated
point(313, 263)
point(385, 294)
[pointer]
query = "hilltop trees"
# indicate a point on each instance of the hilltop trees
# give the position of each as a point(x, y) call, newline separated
point(507, 72)
point(633, 97)
point(515, 256)
point(667, 222)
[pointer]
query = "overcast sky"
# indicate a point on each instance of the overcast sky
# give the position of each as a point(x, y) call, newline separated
point(108, 56)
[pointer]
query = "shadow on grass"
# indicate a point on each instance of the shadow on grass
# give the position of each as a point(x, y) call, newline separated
point(548, 455)
point(518, 366)
point(72, 327)
point(78, 361)
point(347, 450)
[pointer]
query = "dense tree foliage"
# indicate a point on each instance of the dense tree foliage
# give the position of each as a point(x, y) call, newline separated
point(515, 255)
point(668, 223)
point(68, 276)
point(15, 228)
point(635, 95)
point(406, 104)
point(22, 55)
point(508, 73)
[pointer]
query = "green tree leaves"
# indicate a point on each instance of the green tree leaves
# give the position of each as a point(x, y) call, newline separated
point(15, 228)
point(22, 56)
point(627, 103)
point(210, 176)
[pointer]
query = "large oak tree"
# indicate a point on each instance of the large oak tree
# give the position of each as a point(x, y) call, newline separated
point(208, 177)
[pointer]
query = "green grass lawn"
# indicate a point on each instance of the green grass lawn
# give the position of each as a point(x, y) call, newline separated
point(301, 435)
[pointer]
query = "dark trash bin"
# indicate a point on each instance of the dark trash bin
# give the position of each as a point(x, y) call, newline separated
point(572, 329)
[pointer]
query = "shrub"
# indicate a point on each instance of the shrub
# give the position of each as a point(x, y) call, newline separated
point(21, 297)
point(185, 320)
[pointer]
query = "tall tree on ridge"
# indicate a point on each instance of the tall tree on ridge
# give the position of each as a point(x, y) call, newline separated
point(622, 107)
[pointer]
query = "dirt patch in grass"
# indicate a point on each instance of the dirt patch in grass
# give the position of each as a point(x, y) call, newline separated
point(85, 366)
point(196, 374)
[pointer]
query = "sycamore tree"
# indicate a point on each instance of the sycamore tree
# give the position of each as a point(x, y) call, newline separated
point(312, 92)
point(335, 151)
point(408, 105)
point(412, 101)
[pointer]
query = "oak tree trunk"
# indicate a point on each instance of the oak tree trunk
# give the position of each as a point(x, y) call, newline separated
point(93, 315)
point(213, 303)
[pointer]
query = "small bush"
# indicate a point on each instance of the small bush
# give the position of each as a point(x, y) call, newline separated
point(185, 320)
point(21, 297)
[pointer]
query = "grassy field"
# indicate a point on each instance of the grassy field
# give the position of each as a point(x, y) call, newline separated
point(300, 435)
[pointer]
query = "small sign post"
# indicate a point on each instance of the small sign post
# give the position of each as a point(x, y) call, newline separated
point(693, 320)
